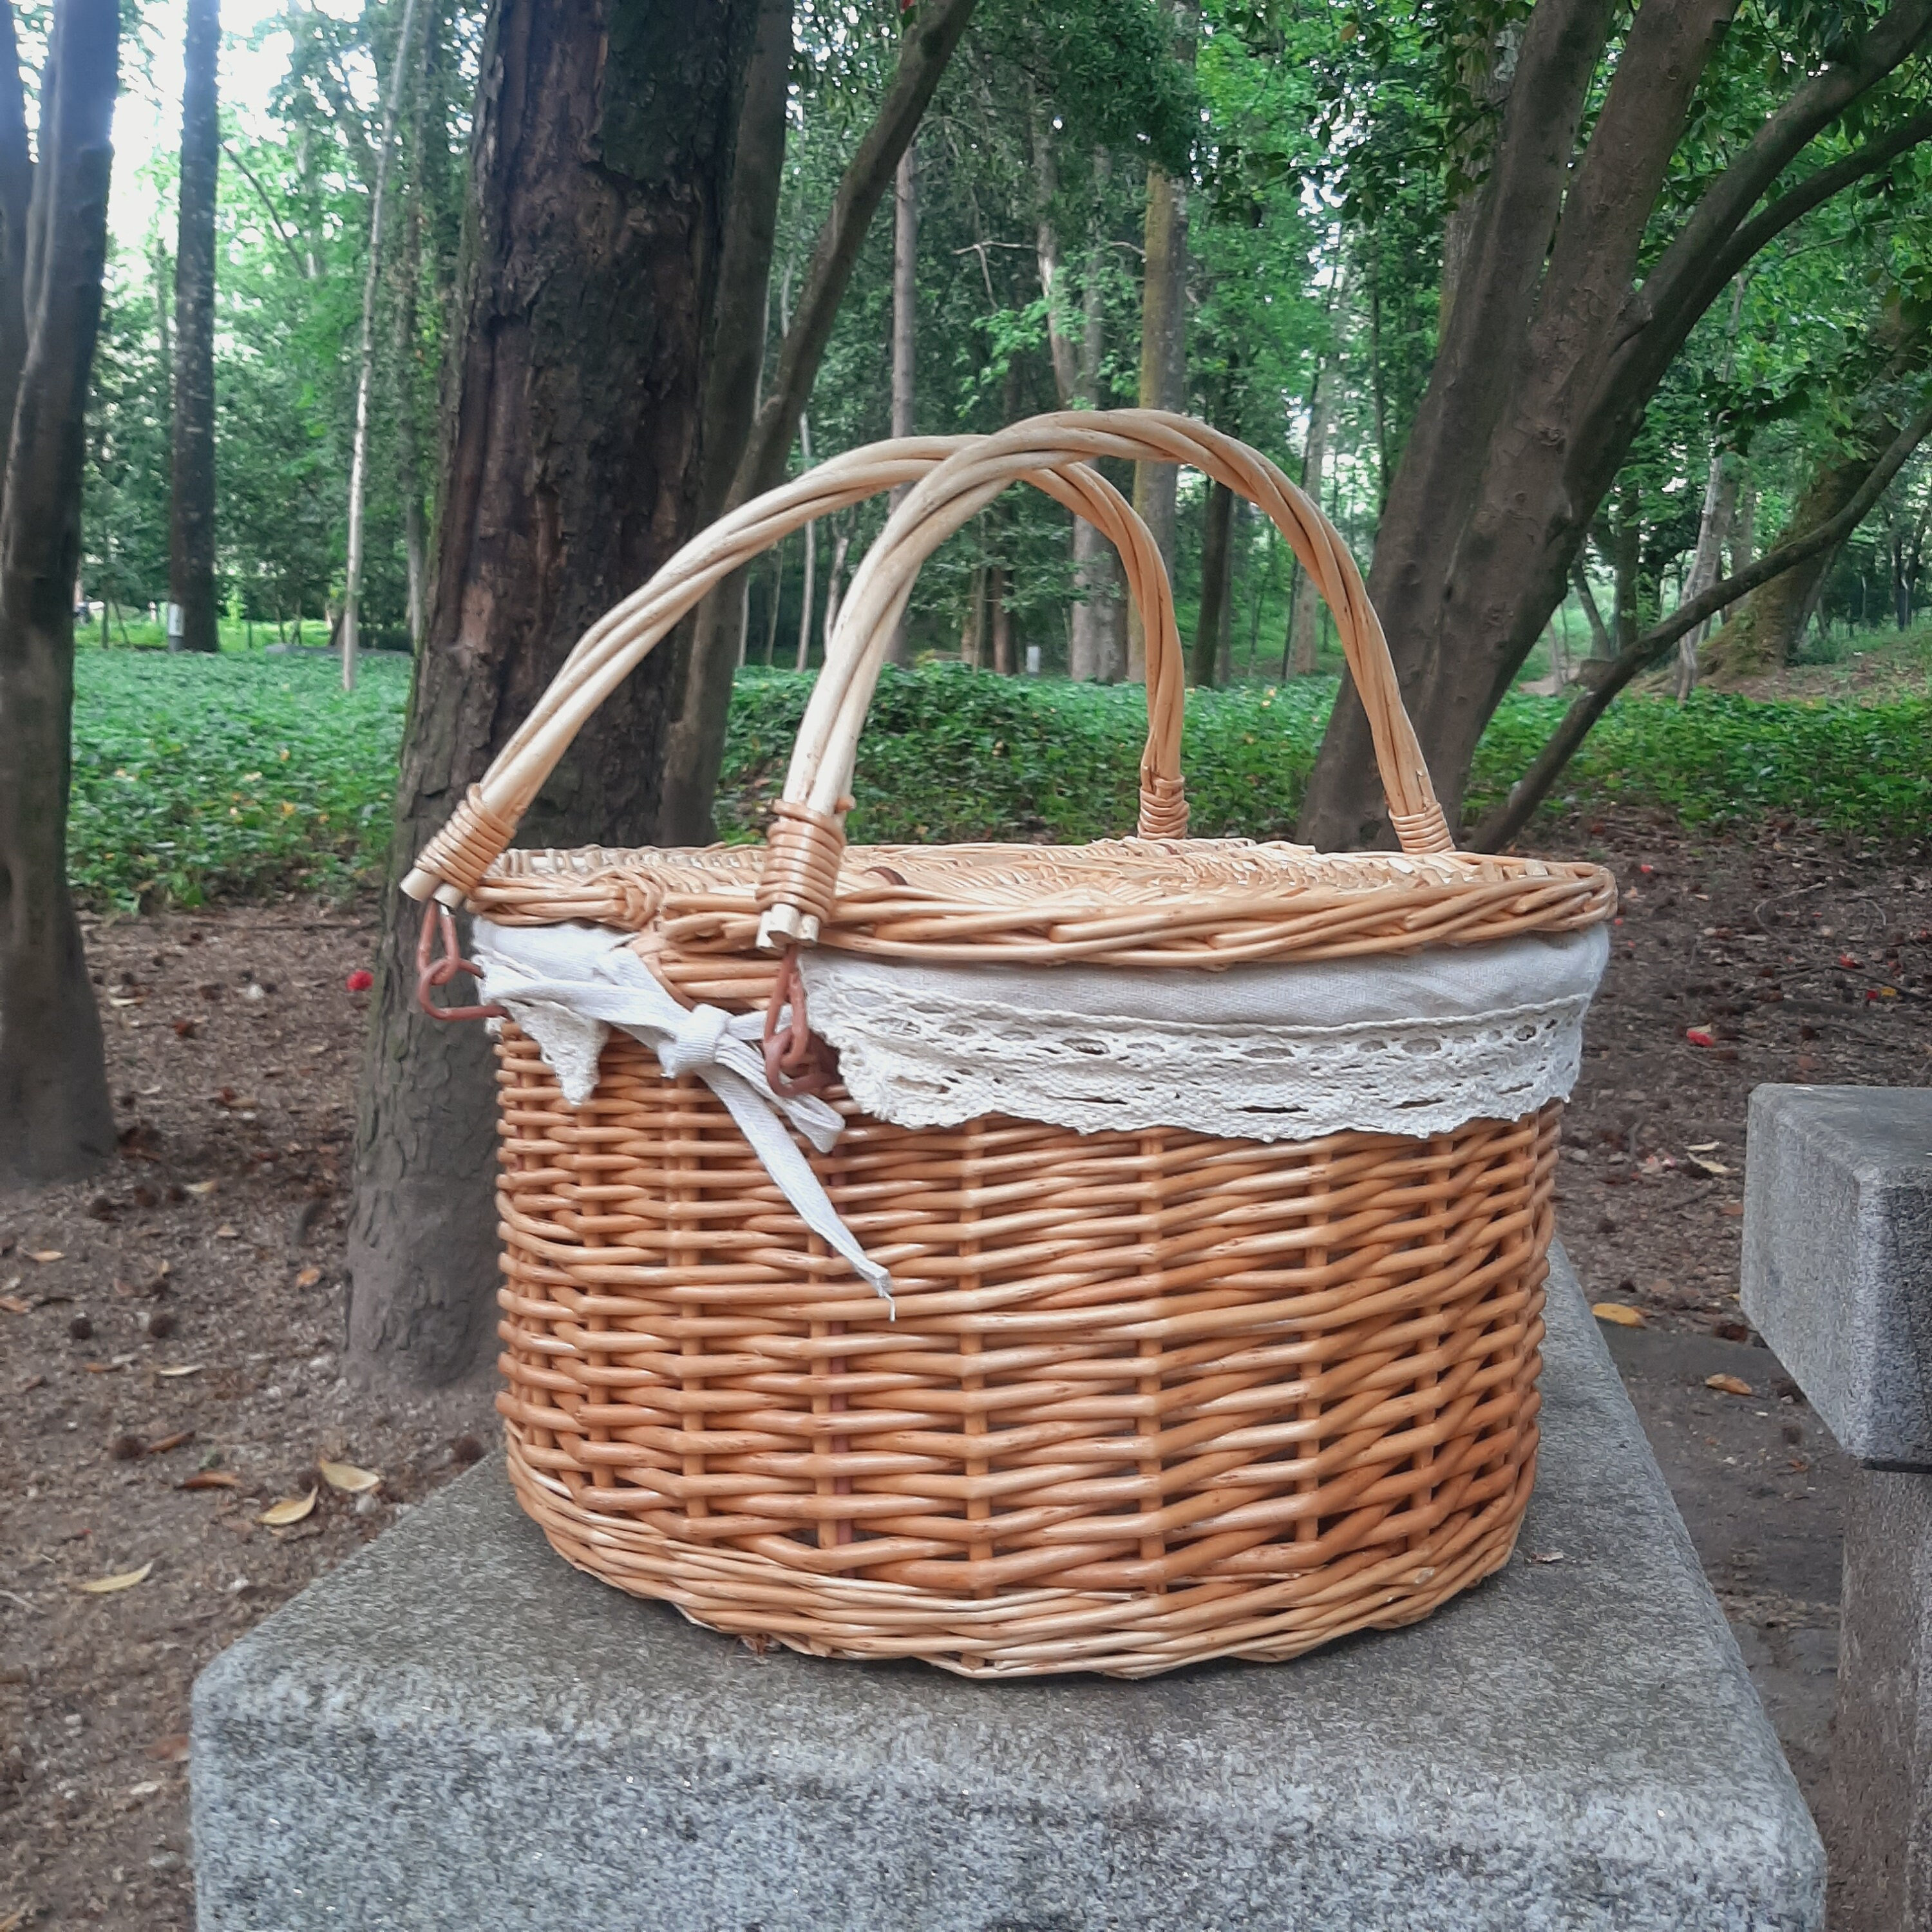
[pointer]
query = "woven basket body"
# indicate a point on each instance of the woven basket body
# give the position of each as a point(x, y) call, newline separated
point(1138, 1399)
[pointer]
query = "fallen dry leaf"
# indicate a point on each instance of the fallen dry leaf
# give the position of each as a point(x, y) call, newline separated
point(106, 1586)
point(178, 1440)
point(180, 1368)
point(290, 1509)
point(211, 1479)
point(1733, 1209)
point(1728, 1385)
point(1621, 1313)
point(201, 1186)
point(146, 1788)
point(1546, 1556)
point(346, 1477)
point(1703, 1147)
point(171, 1749)
point(46, 1255)
point(1709, 1166)
point(14, 1305)
point(14, 1920)
point(308, 1277)
point(227, 1232)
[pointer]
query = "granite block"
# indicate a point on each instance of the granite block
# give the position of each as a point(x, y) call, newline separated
point(456, 1733)
point(1837, 1258)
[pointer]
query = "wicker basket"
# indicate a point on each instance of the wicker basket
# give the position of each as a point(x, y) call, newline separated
point(1139, 1398)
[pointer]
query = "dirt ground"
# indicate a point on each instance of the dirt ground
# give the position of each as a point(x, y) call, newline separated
point(214, 1248)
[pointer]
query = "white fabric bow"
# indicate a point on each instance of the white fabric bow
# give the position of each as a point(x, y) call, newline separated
point(567, 986)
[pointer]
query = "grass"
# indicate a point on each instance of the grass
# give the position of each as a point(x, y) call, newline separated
point(239, 775)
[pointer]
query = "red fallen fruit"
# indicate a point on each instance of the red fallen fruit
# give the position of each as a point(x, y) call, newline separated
point(1646, 870)
point(1699, 1037)
point(360, 980)
point(1845, 960)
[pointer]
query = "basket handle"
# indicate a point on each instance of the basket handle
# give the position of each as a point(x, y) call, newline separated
point(485, 821)
point(801, 868)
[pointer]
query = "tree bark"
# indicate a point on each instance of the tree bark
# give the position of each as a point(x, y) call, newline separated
point(810, 534)
point(1000, 620)
point(55, 1121)
point(1217, 557)
point(1554, 349)
point(580, 362)
point(696, 745)
point(359, 459)
point(1046, 254)
point(191, 493)
point(905, 315)
point(406, 356)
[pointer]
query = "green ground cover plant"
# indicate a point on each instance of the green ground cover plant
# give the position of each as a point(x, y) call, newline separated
point(232, 777)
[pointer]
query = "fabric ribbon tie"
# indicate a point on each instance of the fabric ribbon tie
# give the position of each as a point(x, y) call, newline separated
point(570, 1018)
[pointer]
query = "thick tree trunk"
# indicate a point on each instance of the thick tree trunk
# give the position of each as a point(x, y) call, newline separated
point(1163, 326)
point(1000, 620)
point(191, 496)
point(1304, 620)
point(905, 317)
point(55, 1121)
point(572, 450)
point(1555, 347)
point(1217, 557)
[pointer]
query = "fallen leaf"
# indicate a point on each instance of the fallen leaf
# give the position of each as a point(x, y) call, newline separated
point(346, 1477)
point(1798, 1463)
point(146, 1788)
point(1709, 1166)
point(1546, 1556)
point(171, 1749)
point(14, 1920)
point(1621, 1313)
point(227, 1232)
point(1733, 1209)
point(178, 1440)
point(113, 1001)
point(201, 1187)
point(46, 1255)
point(290, 1509)
point(106, 1586)
point(1848, 962)
point(180, 1369)
point(1703, 1147)
point(14, 1305)
point(211, 1479)
point(1699, 1037)
point(308, 1277)
point(1728, 1385)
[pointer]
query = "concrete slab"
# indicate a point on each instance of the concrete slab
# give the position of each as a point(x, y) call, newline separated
point(1837, 1258)
point(455, 1730)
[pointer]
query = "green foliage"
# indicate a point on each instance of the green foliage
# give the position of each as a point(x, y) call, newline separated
point(199, 778)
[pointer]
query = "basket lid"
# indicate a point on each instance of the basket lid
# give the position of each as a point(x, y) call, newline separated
point(1126, 901)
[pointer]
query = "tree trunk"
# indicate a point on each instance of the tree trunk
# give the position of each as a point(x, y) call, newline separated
point(359, 459)
point(1162, 348)
point(972, 632)
point(191, 494)
point(1217, 557)
point(1001, 620)
point(407, 358)
point(1046, 254)
point(905, 315)
point(696, 745)
point(810, 534)
point(1707, 564)
point(55, 1121)
point(1557, 341)
point(579, 366)
point(1305, 616)
point(1091, 656)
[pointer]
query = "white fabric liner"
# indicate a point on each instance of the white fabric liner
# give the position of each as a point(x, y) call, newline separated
point(1415, 1044)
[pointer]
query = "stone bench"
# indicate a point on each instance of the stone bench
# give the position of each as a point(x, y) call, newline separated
point(455, 1730)
point(1838, 1278)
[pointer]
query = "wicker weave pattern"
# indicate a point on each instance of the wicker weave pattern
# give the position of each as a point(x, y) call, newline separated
point(1148, 1398)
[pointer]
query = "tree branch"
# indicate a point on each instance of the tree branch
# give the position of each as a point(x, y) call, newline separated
point(1688, 275)
point(923, 55)
point(282, 234)
point(1529, 791)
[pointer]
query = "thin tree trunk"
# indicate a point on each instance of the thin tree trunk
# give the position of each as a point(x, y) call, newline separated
point(55, 1121)
point(359, 459)
point(1720, 499)
point(1305, 617)
point(1162, 348)
point(578, 371)
point(973, 635)
point(810, 535)
point(841, 545)
point(191, 494)
point(697, 741)
point(1001, 619)
point(1217, 557)
point(1602, 649)
point(778, 596)
point(905, 315)
point(406, 356)
point(1046, 254)
point(1091, 654)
